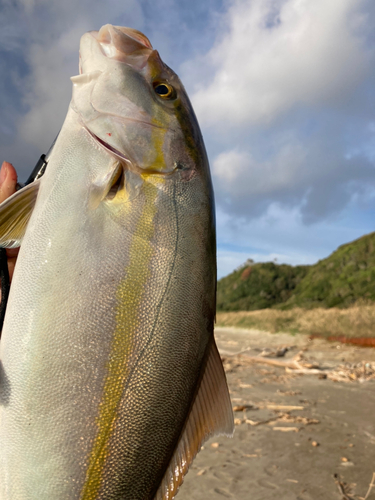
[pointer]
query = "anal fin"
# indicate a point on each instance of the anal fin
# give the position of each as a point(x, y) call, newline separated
point(210, 414)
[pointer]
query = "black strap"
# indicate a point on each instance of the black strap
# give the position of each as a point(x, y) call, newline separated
point(38, 170)
point(5, 285)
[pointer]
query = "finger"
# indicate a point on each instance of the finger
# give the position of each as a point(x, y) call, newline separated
point(8, 180)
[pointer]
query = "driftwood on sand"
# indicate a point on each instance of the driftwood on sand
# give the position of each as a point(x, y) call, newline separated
point(299, 364)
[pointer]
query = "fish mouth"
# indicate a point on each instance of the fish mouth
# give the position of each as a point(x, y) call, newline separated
point(111, 150)
point(122, 37)
point(125, 161)
point(123, 44)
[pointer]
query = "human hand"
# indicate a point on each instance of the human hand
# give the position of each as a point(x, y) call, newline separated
point(8, 182)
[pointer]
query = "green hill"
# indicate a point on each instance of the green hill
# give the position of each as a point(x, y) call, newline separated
point(341, 279)
point(258, 286)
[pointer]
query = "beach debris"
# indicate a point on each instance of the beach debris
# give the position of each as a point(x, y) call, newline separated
point(344, 488)
point(370, 436)
point(286, 429)
point(244, 407)
point(288, 393)
point(280, 417)
point(347, 489)
point(271, 413)
point(284, 407)
point(371, 485)
point(297, 362)
point(279, 352)
point(297, 419)
point(244, 386)
point(315, 444)
point(258, 422)
point(301, 365)
point(346, 462)
point(353, 372)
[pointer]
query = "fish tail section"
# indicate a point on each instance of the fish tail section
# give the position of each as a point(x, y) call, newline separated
point(210, 414)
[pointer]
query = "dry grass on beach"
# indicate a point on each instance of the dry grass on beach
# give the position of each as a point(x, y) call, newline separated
point(355, 321)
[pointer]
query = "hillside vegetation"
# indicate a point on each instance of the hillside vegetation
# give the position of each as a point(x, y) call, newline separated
point(340, 280)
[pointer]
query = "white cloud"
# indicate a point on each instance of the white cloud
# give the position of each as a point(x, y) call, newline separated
point(238, 174)
point(310, 173)
point(230, 165)
point(284, 97)
point(273, 55)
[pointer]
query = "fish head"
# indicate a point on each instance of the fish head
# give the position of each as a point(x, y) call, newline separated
point(135, 106)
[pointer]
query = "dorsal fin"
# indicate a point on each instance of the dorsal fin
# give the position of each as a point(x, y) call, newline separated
point(210, 414)
point(15, 213)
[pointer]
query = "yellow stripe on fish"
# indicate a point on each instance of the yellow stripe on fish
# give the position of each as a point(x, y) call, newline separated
point(157, 137)
point(129, 296)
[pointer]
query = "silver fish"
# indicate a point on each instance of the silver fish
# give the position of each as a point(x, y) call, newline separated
point(110, 379)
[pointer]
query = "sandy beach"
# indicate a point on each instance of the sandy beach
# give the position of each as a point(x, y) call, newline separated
point(298, 436)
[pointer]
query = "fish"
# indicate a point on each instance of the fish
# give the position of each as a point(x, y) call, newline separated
point(110, 378)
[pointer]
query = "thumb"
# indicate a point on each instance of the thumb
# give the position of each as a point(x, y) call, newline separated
point(8, 180)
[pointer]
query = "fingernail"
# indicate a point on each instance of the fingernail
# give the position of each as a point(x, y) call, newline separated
point(3, 173)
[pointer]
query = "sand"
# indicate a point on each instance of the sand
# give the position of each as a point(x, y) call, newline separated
point(283, 453)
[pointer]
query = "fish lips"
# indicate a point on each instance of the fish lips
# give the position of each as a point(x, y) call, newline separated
point(121, 44)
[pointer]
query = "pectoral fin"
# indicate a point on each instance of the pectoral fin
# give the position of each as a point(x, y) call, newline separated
point(15, 213)
point(210, 414)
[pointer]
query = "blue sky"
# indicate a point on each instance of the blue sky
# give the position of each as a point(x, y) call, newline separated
point(283, 90)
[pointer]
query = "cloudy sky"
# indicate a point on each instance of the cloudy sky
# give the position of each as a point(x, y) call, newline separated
point(284, 91)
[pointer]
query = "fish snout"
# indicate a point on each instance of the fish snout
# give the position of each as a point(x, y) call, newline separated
point(124, 44)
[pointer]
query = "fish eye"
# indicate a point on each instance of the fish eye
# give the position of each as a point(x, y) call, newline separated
point(164, 90)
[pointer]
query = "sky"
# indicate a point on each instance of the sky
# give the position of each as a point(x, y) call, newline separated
point(284, 91)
